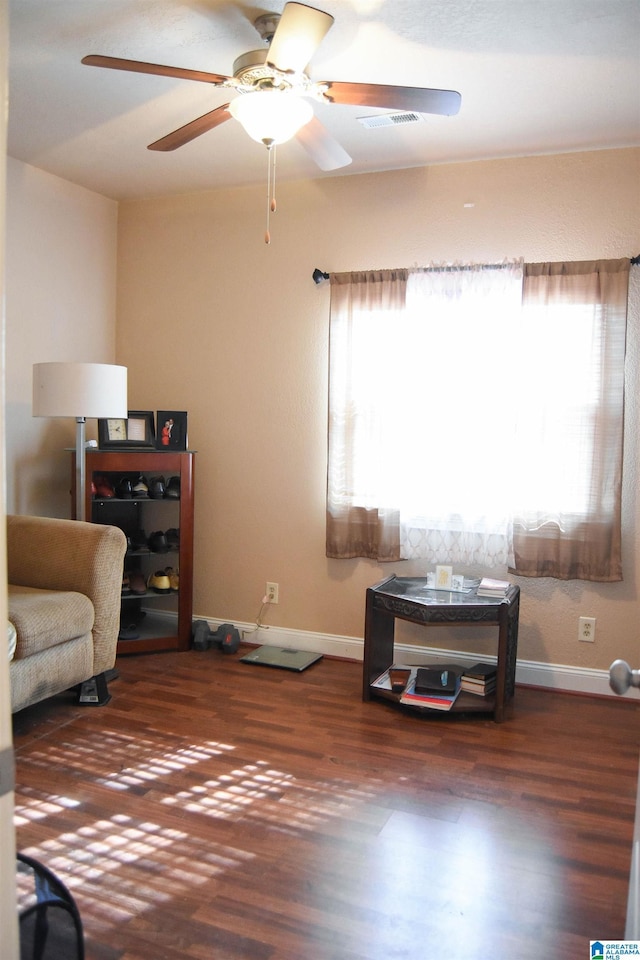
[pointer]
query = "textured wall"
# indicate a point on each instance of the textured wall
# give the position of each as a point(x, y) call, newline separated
point(212, 321)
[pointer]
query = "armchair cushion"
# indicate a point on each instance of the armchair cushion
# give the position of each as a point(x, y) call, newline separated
point(45, 618)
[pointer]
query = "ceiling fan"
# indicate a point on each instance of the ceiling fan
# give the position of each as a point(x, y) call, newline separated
point(275, 85)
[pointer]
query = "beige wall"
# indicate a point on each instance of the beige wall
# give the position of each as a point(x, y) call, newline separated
point(213, 321)
point(60, 303)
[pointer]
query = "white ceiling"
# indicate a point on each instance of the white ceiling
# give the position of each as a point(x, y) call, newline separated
point(536, 76)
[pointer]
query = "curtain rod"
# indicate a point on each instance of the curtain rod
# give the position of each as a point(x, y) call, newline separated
point(320, 275)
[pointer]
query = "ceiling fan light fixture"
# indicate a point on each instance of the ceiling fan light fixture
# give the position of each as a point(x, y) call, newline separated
point(271, 116)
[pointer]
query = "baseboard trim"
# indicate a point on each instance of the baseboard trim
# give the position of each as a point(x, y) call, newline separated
point(550, 676)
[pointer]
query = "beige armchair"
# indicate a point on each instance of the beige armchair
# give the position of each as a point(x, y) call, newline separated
point(64, 588)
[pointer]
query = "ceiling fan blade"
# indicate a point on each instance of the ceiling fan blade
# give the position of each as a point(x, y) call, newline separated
point(298, 35)
point(321, 146)
point(139, 66)
point(193, 129)
point(420, 99)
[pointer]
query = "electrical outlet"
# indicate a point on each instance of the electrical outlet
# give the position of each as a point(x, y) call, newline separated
point(587, 629)
point(272, 592)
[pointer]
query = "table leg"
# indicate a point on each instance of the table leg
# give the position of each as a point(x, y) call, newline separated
point(378, 644)
point(507, 653)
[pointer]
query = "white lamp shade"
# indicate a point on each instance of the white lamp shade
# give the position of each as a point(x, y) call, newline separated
point(89, 390)
point(271, 116)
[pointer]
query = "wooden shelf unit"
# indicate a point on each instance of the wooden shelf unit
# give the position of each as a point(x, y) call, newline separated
point(167, 620)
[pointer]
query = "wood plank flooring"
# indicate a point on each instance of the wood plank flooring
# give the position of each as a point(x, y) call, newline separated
point(221, 811)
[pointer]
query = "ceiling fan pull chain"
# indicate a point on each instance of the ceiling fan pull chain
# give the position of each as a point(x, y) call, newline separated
point(271, 185)
point(273, 182)
point(267, 234)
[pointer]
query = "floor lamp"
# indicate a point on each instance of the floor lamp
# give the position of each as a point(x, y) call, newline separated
point(80, 390)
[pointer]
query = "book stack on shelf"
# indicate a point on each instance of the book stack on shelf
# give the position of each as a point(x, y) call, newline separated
point(433, 688)
point(493, 588)
point(437, 687)
point(480, 679)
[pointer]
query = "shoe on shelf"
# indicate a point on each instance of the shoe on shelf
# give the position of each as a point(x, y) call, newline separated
point(156, 488)
point(137, 583)
point(126, 584)
point(124, 488)
point(158, 542)
point(173, 538)
point(128, 631)
point(139, 540)
point(103, 487)
point(139, 489)
point(172, 490)
point(159, 582)
point(174, 579)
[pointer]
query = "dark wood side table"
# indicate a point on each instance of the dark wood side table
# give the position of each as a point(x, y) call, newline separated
point(408, 598)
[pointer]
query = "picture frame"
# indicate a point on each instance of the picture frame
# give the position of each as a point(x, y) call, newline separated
point(171, 430)
point(443, 577)
point(137, 432)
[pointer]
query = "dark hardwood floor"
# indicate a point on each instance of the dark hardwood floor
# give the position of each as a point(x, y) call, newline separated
point(220, 811)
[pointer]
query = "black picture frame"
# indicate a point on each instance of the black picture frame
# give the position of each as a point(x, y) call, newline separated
point(171, 430)
point(137, 432)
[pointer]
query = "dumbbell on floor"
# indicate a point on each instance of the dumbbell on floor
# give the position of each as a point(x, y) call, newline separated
point(227, 637)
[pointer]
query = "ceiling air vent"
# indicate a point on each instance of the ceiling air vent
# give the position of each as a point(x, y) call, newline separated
point(390, 119)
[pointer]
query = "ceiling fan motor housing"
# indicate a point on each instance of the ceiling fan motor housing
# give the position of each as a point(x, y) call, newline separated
point(252, 72)
point(266, 25)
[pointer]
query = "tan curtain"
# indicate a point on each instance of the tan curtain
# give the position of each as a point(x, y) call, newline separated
point(364, 529)
point(585, 543)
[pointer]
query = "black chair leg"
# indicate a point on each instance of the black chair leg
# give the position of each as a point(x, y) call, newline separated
point(94, 692)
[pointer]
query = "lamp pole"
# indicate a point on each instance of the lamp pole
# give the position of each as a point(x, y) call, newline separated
point(81, 470)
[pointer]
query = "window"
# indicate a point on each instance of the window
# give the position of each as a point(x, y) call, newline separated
point(475, 416)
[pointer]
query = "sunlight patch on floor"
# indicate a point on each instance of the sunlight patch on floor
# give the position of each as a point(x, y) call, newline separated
point(115, 856)
point(39, 808)
point(125, 865)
